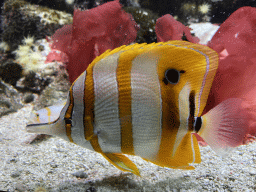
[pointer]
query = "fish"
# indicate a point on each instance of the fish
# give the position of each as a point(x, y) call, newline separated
point(146, 100)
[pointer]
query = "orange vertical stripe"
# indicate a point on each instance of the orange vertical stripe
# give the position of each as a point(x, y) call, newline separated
point(68, 114)
point(124, 87)
point(49, 113)
point(170, 114)
point(89, 110)
point(88, 103)
point(125, 114)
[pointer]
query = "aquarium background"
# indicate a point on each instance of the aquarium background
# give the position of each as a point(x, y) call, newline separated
point(37, 69)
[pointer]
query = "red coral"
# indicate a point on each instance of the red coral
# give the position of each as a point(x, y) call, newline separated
point(236, 76)
point(93, 32)
point(237, 34)
point(167, 28)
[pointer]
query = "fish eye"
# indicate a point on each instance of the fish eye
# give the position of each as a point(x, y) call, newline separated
point(172, 76)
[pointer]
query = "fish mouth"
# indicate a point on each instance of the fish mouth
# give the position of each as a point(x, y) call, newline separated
point(34, 127)
point(37, 128)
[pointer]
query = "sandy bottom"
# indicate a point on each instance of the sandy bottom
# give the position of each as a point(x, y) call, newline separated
point(49, 165)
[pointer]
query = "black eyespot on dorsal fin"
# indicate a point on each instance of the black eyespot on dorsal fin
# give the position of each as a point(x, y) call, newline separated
point(68, 121)
point(172, 76)
point(197, 124)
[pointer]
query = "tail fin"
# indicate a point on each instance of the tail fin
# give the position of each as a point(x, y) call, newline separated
point(224, 126)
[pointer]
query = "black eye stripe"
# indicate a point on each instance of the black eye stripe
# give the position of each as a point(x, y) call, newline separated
point(165, 81)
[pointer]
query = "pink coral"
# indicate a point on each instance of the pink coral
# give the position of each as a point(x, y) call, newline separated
point(56, 55)
point(167, 28)
point(237, 34)
point(236, 77)
point(93, 32)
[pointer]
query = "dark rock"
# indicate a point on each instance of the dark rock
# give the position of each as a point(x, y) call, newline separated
point(10, 71)
point(56, 91)
point(28, 98)
point(33, 82)
point(146, 21)
point(53, 165)
point(17, 23)
point(91, 189)
point(60, 5)
point(13, 160)
point(10, 99)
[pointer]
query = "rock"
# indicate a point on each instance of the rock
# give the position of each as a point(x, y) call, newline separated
point(252, 171)
point(36, 21)
point(146, 20)
point(15, 174)
point(80, 174)
point(10, 71)
point(56, 91)
point(28, 98)
point(40, 189)
point(10, 99)
point(20, 187)
point(13, 160)
point(91, 189)
point(53, 165)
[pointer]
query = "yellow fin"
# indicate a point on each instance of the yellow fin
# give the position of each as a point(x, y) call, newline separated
point(122, 162)
point(186, 153)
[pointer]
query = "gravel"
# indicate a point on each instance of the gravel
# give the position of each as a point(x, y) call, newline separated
point(52, 164)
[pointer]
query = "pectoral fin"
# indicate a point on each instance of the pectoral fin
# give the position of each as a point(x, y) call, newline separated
point(122, 162)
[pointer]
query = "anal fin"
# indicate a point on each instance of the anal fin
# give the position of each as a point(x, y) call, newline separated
point(186, 153)
point(122, 162)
